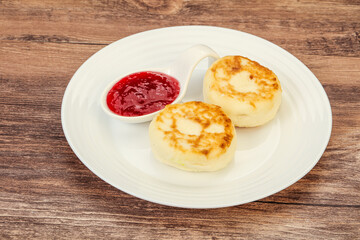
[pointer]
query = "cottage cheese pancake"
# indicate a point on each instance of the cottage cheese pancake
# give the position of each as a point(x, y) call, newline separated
point(193, 136)
point(250, 94)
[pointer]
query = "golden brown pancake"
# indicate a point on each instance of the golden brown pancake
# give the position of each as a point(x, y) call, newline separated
point(193, 136)
point(249, 93)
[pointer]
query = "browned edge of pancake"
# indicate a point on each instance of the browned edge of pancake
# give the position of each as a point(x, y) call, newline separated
point(206, 143)
point(264, 78)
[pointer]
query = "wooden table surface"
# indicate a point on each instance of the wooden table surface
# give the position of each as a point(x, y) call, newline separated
point(47, 193)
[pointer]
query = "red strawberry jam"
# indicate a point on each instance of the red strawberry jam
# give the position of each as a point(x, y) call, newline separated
point(142, 93)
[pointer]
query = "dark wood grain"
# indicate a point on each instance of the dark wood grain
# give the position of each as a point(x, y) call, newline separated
point(47, 193)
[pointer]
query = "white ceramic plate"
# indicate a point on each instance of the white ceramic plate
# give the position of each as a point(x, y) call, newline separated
point(268, 158)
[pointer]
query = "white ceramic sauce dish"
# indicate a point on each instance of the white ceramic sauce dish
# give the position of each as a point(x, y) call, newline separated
point(181, 69)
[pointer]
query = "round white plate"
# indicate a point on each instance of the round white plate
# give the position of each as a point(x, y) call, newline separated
point(268, 158)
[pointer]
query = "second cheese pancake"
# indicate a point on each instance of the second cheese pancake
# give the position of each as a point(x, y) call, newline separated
point(193, 136)
point(247, 91)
